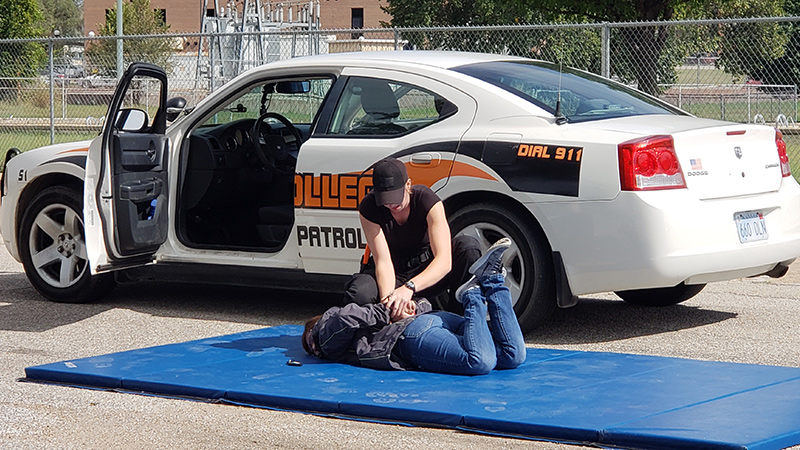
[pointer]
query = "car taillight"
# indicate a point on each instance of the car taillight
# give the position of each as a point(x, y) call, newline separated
point(781, 144)
point(649, 164)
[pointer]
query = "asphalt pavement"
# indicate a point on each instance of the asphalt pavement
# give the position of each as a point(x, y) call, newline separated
point(753, 320)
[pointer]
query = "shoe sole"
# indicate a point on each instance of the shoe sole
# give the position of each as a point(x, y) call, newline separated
point(470, 284)
point(503, 243)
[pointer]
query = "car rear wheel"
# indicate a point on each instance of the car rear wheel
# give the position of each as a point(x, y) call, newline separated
point(53, 248)
point(528, 263)
point(661, 296)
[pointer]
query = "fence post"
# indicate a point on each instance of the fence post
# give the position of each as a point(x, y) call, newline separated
point(64, 98)
point(605, 51)
point(697, 62)
point(212, 67)
point(52, 92)
point(119, 40)
point(748, 104)
point(396, 38)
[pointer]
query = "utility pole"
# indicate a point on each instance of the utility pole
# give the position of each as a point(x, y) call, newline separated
point(119, 39)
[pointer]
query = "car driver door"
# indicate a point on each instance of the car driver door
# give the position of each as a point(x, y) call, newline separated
point(125, 195)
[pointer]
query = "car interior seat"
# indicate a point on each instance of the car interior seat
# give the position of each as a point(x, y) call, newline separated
point(589, 105)
point(275, 224)
point(380, 108)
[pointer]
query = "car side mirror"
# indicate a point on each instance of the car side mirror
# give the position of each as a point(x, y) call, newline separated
point(175, 106)
point(10, 153)
point(131, 119)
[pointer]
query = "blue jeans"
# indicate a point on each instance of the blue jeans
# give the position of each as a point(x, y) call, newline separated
point(448, 343)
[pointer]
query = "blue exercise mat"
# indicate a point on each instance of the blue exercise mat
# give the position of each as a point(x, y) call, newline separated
point(609, 399)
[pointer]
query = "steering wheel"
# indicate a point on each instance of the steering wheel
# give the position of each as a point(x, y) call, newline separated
point(272, 149)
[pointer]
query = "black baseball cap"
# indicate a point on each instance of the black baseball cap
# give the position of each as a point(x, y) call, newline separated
point(389, 178)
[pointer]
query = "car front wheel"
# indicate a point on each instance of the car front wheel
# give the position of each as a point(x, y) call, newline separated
point(661, 296)
point(528, 263)
point(53, 248)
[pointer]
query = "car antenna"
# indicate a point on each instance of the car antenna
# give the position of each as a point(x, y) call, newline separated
point(561, 119)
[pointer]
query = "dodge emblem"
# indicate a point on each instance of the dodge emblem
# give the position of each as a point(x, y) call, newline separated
point(738, 152)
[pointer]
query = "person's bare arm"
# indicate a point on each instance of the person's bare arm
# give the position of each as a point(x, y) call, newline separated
point(441, 246)
point(384, 269)
point(439, 237)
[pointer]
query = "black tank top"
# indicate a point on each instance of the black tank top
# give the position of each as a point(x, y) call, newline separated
point(410, 239)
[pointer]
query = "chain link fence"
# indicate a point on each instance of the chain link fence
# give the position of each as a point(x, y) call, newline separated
point(745, 70)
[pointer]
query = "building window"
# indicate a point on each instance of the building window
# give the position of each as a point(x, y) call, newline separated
point(357, 21)
point(162, 13)
point(210, 12)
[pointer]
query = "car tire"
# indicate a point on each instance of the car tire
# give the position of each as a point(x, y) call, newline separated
point(53, 250)
point(661, 296)
point(528, 263)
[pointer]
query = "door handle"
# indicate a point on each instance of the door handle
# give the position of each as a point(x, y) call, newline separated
point(140, 190)
point(426, 159)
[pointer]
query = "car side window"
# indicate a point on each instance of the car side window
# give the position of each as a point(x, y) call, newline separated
point(139, 105)
point(378, 107)
point(297, 100)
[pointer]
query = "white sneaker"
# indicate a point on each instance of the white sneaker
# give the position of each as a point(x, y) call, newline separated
point(472, 283)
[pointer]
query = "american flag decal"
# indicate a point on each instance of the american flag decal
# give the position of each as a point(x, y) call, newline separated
point(696, 164)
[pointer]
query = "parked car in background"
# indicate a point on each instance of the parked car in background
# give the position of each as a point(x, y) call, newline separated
point(600, 187)
point(96, 81)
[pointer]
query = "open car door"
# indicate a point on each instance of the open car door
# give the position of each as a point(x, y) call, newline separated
point(125, 195)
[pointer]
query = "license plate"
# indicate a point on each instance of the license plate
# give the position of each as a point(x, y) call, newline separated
point(751, 226)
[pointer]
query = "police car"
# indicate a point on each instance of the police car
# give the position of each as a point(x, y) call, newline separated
point(600, 187)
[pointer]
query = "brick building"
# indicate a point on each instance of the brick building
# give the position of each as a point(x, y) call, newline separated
point(186, 15)
point(352, 14)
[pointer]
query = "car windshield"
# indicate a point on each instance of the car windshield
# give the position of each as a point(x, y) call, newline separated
point(583, 96)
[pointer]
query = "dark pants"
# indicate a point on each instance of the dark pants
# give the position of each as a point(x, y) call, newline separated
point(362, 288)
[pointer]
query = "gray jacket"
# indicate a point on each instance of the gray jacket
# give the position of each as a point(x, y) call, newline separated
point(363, 335)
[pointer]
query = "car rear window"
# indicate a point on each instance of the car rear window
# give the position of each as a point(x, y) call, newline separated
point(583, 96)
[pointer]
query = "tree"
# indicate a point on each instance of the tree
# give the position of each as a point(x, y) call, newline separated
point(645, 55)
point(138, 18)
point(776, 64)
point(441, 13)
point(743, 48)
point(647, 43)
point(19, 19)
point(545, 44)
point(62, 15)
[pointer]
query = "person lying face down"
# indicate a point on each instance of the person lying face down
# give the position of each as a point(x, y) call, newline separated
point(418, 338)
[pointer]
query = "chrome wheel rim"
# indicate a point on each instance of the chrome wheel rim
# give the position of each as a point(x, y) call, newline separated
point(57, 247)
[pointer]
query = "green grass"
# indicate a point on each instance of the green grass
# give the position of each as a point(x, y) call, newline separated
point(29, 140)
point(740, 111)
point(703, 75)
point(60, 111)
point(27, 107)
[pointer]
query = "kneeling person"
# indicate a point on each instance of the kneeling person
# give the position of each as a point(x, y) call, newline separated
point(419, 339)
point(410, 241)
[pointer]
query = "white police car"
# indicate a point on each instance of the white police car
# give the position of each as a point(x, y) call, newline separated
point(600, 187)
